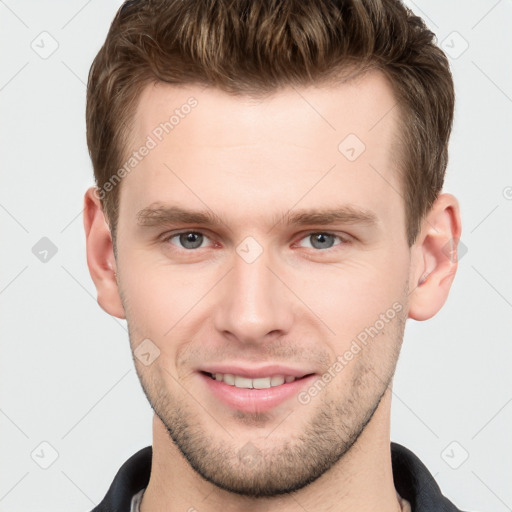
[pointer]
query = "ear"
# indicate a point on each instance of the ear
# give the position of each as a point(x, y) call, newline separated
point(434, 258)
point(100, 255)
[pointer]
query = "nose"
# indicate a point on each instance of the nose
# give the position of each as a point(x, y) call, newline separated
point(254, 304)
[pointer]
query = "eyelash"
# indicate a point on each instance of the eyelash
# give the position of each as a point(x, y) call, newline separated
point(166, 238)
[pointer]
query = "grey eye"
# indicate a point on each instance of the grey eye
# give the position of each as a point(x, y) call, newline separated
point(322, 240)
point(190, 239)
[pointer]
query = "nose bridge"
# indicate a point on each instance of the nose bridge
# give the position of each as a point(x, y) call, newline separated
point(253, 303)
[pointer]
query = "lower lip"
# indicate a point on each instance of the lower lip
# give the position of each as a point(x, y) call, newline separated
point(255, 400)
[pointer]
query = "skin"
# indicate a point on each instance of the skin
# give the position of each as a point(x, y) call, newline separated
point(251, 161)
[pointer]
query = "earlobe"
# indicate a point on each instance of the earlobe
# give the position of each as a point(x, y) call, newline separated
point(100, 255)
point(434, 256)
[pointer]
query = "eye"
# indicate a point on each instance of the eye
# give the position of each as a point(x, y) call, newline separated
point(187, 239)
point(322, 240)
point(190, 240)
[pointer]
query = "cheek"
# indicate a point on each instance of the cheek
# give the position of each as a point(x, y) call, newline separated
point(159, 295)
point(351, 295)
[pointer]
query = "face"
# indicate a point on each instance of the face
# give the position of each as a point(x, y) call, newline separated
point(298, 259)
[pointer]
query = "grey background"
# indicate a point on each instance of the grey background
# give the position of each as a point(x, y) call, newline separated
point(67, 377)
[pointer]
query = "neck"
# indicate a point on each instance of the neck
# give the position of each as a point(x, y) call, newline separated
point(362, 480)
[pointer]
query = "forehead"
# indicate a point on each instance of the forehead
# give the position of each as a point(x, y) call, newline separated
point(356, 106)
point(210, 144)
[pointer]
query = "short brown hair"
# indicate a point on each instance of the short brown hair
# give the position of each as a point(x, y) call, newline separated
point(255, 47)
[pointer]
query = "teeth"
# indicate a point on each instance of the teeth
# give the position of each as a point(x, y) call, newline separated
point(259, 383)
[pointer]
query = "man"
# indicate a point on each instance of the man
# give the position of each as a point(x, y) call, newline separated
point(268, 213)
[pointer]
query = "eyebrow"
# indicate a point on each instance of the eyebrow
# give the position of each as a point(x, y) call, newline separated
point(159, 215)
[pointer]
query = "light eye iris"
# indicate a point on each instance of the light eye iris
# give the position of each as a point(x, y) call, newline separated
point(322, 240)
point(191, 240)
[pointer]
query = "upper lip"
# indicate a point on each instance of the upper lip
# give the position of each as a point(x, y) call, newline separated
point(254, 373)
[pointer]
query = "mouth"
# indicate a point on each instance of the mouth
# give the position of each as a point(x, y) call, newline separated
point(254, 395)
point(253, 383)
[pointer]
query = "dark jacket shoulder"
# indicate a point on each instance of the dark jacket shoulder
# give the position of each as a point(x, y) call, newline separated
point(132, 476)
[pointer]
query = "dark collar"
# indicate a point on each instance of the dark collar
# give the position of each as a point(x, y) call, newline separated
point(414, 482)
point(412, 479)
